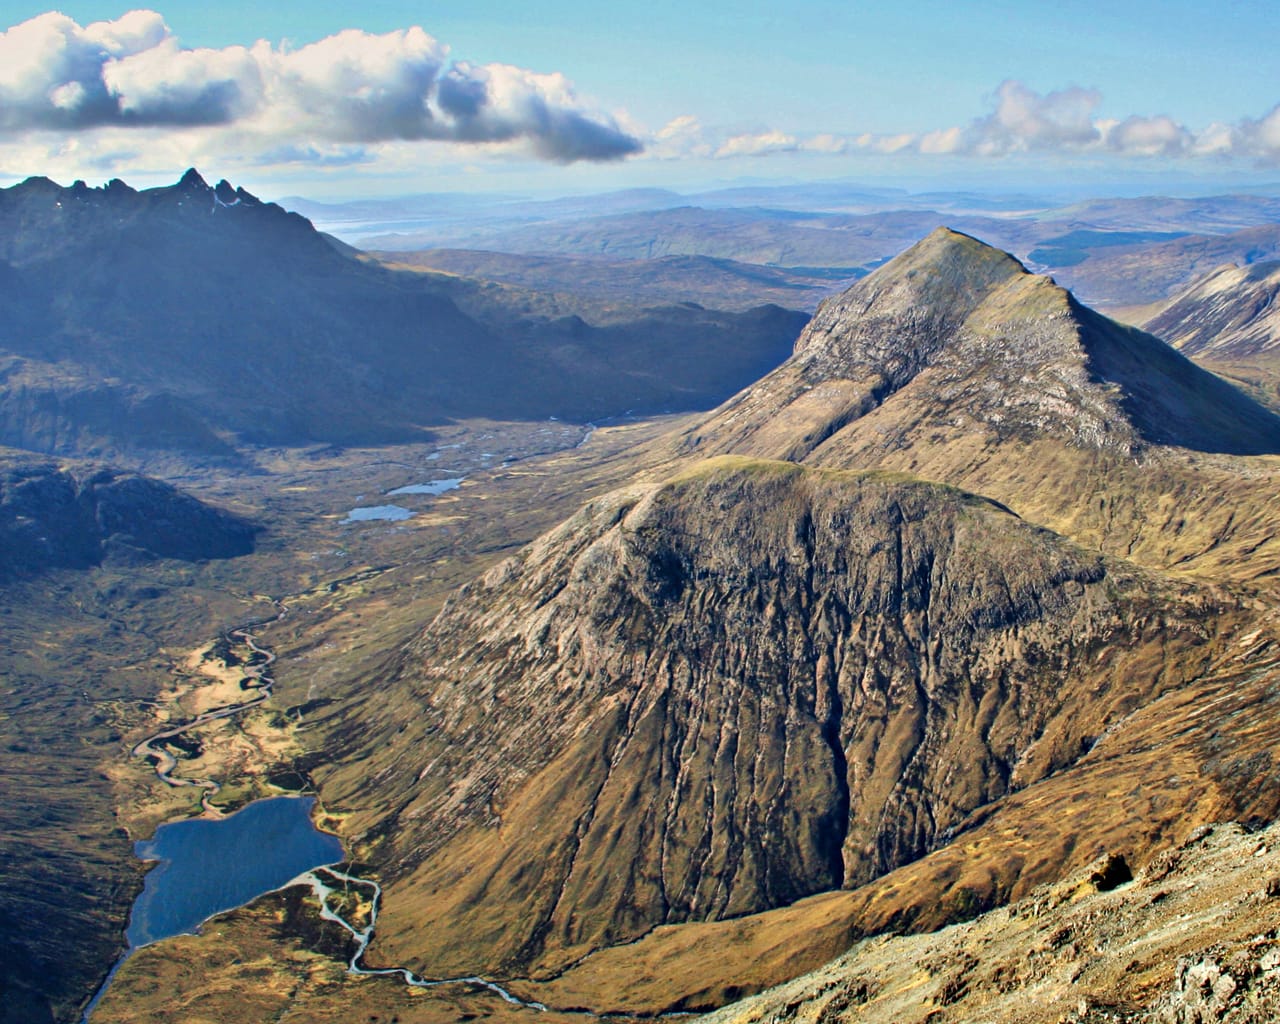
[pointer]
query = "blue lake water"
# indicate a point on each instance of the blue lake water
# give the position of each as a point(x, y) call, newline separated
point(431, 487)
point(394, 513)
point(209, 866)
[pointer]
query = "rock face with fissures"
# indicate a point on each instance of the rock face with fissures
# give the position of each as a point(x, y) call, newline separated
point(717, 695)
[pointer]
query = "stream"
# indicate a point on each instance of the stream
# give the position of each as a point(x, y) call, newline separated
point(364, 936)
point(178, 843)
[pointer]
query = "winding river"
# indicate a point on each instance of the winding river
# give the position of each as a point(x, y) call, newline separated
point(166, 763)
point(322, 881)
point(323, 890)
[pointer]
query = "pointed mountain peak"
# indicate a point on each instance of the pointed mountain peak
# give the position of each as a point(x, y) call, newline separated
point(956, 334)
point(954, 253)
point(192, 180)
point(950, 264)
point(944, 277)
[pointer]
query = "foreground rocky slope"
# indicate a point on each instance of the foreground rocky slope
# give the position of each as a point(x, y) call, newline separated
point(1194, 939)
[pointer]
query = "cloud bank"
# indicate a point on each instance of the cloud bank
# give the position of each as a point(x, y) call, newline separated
point(1021, 121)
point(349, 88)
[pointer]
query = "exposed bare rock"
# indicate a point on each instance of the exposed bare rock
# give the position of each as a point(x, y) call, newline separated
point(729, 691)
point(954, 364)
point(1191, 941)
point(1006, 351)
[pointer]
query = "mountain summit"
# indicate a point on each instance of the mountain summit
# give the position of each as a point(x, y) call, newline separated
point(959, 336)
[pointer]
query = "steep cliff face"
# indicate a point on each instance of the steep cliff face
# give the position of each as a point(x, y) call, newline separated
point(723, 693)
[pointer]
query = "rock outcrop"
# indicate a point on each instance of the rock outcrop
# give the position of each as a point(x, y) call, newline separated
point(1193, 940)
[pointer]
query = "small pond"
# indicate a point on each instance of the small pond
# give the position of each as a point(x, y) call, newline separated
point(394, 513)
point(208, 866)
point(431, 487)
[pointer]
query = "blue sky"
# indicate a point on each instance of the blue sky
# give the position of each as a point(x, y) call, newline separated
point(565, 96)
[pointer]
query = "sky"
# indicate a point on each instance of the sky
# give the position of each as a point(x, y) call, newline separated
point(388, 97)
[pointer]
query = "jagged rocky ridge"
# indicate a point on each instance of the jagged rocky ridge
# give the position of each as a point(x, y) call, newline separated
point(220, 318)
point(964, 330)
point(720, 694)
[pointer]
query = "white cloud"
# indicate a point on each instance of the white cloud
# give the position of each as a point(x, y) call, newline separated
point(825, 143)
point(1021, 121)
point(350, 88)
point(757, 144)
point(1148, 136)
point(1259, 139)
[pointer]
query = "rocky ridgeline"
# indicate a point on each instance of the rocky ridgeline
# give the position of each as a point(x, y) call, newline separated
point(955, 337)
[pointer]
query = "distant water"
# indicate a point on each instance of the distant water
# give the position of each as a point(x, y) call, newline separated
point(209, 866)
point(431, 487)
point(391, 512)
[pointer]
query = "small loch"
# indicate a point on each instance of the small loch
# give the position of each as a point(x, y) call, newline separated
point(372, 513)
point(208, 866)
point(433, 487)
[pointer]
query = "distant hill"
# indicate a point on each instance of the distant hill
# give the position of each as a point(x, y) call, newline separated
point(1116, 277)
point(625, 284)
point(1232, 313)
point(197, 317)
point(54, 518)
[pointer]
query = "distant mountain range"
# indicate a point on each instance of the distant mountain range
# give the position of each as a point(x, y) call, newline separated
point(1116, 253)
point(195, 317)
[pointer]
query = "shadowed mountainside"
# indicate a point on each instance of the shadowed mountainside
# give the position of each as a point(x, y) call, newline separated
point(749, 684)
point(755, 680)
point(51, 518)
point(194, 316)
